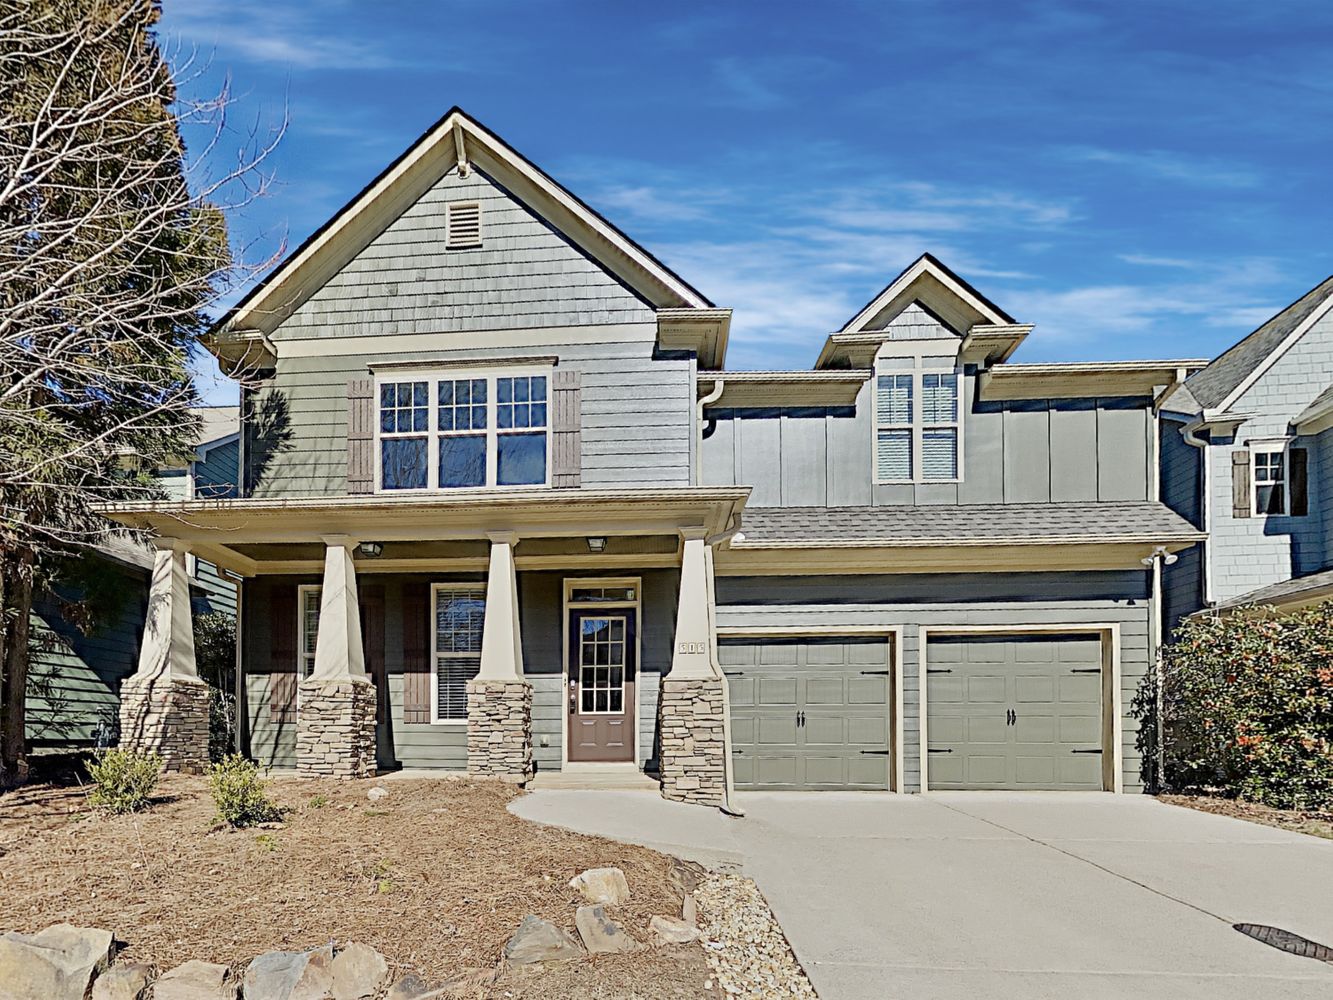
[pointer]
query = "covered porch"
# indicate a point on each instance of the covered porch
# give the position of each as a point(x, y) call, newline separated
point(500, 634)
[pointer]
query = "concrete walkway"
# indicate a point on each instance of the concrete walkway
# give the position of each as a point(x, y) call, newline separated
point(988, 895)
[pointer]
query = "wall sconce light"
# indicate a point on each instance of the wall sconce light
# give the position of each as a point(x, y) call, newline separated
point(371, 549)
point(596, 543)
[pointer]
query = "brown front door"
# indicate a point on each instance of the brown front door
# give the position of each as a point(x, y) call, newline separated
point(601, 674)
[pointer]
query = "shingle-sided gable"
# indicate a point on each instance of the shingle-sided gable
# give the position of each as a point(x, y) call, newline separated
point(525, 274)
point(1212, 386)
point(918, 323)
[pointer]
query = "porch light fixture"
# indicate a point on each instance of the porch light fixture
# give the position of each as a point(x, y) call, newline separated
point(596, 543)
point(371, 549)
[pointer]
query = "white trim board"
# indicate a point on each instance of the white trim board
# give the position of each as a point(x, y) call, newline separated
point(1275, 355)
point(567, 584)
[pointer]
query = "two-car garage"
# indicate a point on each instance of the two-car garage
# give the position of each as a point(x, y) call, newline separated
point(1003, 710)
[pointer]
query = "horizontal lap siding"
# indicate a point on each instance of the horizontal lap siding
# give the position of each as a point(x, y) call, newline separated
point(914, 601)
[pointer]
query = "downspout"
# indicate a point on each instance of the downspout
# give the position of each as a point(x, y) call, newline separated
point(1190, 433)
point(712, 397)
point(728, 776)
point(1155, 626)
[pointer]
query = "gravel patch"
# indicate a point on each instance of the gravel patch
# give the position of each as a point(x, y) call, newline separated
point(746, 948)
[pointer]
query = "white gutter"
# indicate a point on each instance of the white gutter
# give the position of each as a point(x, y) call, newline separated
point(1190, 433)
point(712, 397)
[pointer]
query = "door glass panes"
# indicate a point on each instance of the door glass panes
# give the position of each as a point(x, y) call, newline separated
point(460, 613)
point(597, 595)
point(602, 665)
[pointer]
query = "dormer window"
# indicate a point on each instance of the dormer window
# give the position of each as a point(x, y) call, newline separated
point(918, 433)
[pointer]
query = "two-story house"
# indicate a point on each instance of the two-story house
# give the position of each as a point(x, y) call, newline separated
point(505, 509)
point(1247, 451)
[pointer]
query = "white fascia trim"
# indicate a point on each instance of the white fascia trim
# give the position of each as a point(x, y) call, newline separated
point(441, 134)
point(885, 543)
point(1248, 382)
point(921, 267)
point(204, 449)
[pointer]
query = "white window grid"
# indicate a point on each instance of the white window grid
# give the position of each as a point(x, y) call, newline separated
point(458, 612)
point(1268, 472)
point(923, 407)
point(433, 434)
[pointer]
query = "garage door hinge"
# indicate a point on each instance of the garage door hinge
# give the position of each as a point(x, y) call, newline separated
point(933, 750)
point(1086, 670)
point(876, 753)
point(734, 673)
point(1085, 751)
point(876, 673)
point(939, 670)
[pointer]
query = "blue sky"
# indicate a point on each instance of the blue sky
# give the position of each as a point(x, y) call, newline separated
point(1138, 179)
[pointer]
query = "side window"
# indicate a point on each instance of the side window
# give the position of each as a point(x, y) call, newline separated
point(309, 627)
point(459, 614)
point(404, 409)
point(918, 431)
point(1270, 482)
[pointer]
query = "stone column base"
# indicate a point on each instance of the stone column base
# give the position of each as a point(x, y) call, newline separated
point(167, 716)
point(693, 748)
point(499, 729)
point(335, 728)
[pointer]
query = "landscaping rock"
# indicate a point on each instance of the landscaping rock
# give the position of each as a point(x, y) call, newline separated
point(377, 793)
point(538, 940)
point(745, 947)
point(410, 987)
point(290, 975)
point(689, 909)
point(468, 983)
point(359, 971)
point(57, 963)
point(668, 930)
point(195, 981)
point(686, 876)
point(123, 982)
point(601, 935)
point(601, 886)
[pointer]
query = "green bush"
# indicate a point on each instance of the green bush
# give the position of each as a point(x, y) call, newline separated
point(240, 794)
point(123, 780)
point(1247, 707)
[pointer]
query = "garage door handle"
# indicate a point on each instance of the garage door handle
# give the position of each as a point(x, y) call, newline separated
point(1086, 751)
point(933, 750)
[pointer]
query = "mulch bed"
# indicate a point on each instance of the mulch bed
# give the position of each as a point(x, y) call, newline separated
point(436, 876)
point(1316, 824)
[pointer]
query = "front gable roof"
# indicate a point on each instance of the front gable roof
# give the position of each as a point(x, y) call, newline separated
point(456, 140)
point(1230, 375)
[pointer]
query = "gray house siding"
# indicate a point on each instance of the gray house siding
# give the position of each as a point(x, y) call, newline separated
point(939, 600)
point(1181, 488)
point(1026, 451)
point(427, 745)
point(1248, 553)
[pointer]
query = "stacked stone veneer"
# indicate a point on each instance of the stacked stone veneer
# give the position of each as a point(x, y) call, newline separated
point(167, 716)
point(690, 724)
point(335, 729)
point(499, 729)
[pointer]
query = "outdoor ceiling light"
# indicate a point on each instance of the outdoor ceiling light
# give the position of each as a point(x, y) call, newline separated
point(371, 549)
point(596, 543)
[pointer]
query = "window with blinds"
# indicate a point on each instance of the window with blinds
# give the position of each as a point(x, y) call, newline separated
point(917, 426)
point(460, 613)
point(309, 628)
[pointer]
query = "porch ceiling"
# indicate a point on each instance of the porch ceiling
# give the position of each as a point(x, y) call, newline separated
point(253, 536)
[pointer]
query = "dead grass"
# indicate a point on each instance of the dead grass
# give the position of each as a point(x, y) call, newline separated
point(436, 876)
point(1316, 824)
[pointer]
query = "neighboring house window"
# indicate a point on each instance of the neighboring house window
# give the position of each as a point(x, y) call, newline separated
point(465, 430)
point(309, 627)
point(917, 426)
point(460, 612)
point(1270, 481)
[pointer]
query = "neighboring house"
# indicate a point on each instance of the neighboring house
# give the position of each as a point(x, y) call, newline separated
point(75, 675)
point(1247, 452)
point(495, 471)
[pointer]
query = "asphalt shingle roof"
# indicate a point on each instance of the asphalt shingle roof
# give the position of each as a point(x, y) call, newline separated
point(1211, 385)
point(967, 524)
point(1284, 592)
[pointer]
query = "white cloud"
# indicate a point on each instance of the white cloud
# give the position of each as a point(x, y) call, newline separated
point(1201, 171)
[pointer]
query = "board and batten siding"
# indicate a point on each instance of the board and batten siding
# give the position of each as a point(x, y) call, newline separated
point(948, 599)
point(1026, 451)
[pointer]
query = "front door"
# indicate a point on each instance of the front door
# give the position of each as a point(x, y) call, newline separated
point(600, 679)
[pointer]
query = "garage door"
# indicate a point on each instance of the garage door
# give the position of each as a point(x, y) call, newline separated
point(809, 713)
point(1014, 711)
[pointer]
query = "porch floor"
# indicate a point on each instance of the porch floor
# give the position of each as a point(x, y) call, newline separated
point(596, 777)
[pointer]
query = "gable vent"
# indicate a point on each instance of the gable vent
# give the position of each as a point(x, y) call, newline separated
point(462, 225)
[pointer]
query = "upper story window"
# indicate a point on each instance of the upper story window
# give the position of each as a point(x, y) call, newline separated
point(1270, 481)
point(464, 430)
point(918, 434)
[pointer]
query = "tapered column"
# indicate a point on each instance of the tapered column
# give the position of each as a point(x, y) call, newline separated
point(499, 700)
point(335, 729)
point(164, 706)
point(692, 707)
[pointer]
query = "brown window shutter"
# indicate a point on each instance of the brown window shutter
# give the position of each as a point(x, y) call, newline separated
point(282, 665)
point(1297, 466)
point(566, 435)
point(1240, 483)
point(416, 653)
point(361, 435)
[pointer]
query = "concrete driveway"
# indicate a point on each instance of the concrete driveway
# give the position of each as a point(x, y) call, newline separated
point(981, 895)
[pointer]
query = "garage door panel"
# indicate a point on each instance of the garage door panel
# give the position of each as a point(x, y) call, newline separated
point(984, 769)
point(945, 689)
point(1085, 731)
point(828, 772)
point(775, 730)
point(867, 731)
point(742, 768)
point(866, 771)
point(736, 654)
point(946, 769)
point(1030, 770)
point(987, 688)
point(1028, 728)
point(1080, 770)
point(1034, 689)
point(984, 729)
point(868, 690)
point(778, 654)
point(825, 691)
point(824, 730)
point(776, 691)
point(776, 770)
point(741, 691)
point(1084, 688)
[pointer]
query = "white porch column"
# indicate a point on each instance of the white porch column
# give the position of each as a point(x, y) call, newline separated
point(499, 700)
point(501, 640)
point(692, 722)
point(338, 650)
point(164, 706)
point(335, 722)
